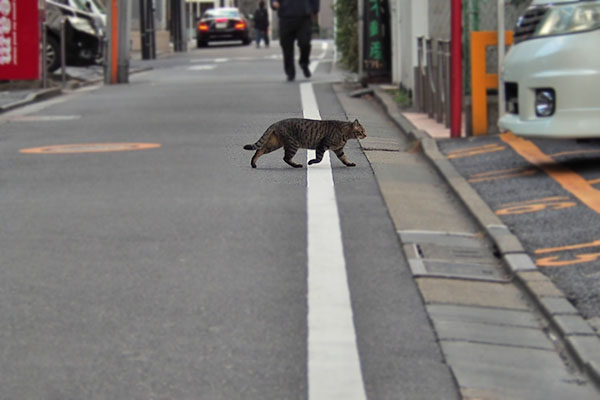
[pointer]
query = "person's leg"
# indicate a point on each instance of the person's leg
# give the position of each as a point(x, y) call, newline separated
point(287, 35)
point(258, 37)
point(304, 35)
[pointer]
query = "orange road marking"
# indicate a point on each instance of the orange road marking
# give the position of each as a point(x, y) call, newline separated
point(529, 206)
point(569, 180)
point(572, 152)
point(545, 199)
point(89, 148)
point(488, 148)
point(502, 174)
point(595, 243)
point(554, 261)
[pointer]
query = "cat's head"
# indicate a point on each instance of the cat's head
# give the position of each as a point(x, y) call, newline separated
point(358, 130)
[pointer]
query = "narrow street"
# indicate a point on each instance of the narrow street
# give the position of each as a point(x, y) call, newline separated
point(143, 258)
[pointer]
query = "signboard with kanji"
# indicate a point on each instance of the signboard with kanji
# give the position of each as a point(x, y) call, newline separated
point(376, 39)
point(19, 40)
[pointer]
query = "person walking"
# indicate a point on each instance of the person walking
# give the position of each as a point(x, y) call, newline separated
point(261, 24)
point(295, 24)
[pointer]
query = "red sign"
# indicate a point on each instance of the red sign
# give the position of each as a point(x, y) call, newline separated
point(19, 40)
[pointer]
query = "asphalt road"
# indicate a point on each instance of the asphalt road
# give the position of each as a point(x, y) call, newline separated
point(176, 271)
point(546, 192)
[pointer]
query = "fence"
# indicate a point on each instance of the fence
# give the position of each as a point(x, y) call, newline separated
point(432, 79)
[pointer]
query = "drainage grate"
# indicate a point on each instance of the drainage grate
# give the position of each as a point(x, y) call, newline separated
point(451, 255)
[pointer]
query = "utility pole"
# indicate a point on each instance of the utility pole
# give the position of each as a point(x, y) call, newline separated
point(117, 55)
point(456, 69)
point(178, 25)
point(147, 35)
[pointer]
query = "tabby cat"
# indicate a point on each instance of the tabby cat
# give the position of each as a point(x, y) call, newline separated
point(296, 133)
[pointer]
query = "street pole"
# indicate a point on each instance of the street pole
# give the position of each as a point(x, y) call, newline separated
point(456, 69)
point(177, 26)
point(147, 30)
point(501, 50)
point(117, 57)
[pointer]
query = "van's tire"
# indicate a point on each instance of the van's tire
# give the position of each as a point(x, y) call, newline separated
point(52, 54)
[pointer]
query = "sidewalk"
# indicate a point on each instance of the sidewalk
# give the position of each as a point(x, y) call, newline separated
point(473, 353)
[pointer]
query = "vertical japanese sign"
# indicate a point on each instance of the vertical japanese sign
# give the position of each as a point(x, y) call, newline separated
point(376, 40)
point(19, 40)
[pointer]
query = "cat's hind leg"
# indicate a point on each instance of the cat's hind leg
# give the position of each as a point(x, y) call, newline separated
point(340, 154)
point(290, 152)
point(272, 144)
point(320, 151)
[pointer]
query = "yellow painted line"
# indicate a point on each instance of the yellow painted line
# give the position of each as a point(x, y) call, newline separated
point(595, 243)
point(574, 152)
point(569, 180)
point(502, 174)
point(536, 201)
point(89, 148)
point(555, 261)
point(489, 148)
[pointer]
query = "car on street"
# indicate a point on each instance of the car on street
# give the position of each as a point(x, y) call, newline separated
point(551, 75)
point(84, 36)
point(222, 24)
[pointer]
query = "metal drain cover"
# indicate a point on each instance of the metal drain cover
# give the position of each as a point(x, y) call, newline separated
point(450, 255)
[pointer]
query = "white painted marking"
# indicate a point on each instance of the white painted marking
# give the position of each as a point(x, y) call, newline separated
point(202, 67)
point(43, 118)
point(315, 63)
point(221, 60)
point(333, 362)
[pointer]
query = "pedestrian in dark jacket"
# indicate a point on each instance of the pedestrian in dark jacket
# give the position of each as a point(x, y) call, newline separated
point(261, 24)
point(295, 24)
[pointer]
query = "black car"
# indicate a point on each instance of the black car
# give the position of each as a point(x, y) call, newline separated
point(84, 33)
point(221, 24)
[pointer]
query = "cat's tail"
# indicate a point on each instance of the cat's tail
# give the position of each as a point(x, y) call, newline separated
point(260, 142)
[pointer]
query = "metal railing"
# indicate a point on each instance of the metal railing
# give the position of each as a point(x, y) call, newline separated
point(432, 79)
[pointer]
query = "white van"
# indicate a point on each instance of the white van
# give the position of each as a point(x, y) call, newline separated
point(551, 75)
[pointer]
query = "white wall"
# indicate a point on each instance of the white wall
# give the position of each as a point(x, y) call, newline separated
point(409, 21)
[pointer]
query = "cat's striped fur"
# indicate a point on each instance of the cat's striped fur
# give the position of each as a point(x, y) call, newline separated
point(295, 133)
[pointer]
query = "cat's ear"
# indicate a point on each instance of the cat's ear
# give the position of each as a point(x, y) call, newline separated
point(356, 123)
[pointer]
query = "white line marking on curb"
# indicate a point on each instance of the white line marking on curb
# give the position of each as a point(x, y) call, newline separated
point(333, 362)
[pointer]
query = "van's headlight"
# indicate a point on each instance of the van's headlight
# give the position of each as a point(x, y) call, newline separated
point(569, 18)
point(545, 102)
point(82, 24)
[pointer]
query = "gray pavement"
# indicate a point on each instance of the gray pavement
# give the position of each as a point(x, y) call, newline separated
point(505, 330)
point(491, 315)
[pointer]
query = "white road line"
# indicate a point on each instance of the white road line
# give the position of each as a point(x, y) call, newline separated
point(202, 67)
point(333, 362)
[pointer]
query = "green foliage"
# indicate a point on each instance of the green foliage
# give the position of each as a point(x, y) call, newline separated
point(346, 39)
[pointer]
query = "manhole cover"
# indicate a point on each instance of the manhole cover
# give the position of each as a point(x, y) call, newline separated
point(451, 255)
point(89, 148)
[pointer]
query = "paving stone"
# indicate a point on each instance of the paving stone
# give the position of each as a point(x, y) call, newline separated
point(483, 315)
point(515, 373)
point(558, 305)
point(492, 334)
point(474, 293)
point(573, 325)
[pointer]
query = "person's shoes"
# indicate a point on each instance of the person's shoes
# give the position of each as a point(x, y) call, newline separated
point(306, 71)
point(290, 78)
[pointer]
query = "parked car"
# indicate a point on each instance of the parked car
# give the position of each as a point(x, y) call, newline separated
point(221, 24)
point(84, 35)
point(551, 75)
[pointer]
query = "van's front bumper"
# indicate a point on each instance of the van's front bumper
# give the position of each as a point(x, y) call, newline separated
point(568, 64)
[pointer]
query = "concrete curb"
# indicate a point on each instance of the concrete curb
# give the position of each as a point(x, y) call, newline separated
point(44, 94)
point(581, 341)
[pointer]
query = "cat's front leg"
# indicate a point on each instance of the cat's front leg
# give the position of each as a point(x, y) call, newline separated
point(340, 154)
point(320, 151)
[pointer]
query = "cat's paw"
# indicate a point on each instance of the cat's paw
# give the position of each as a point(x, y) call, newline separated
point(314, 161)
